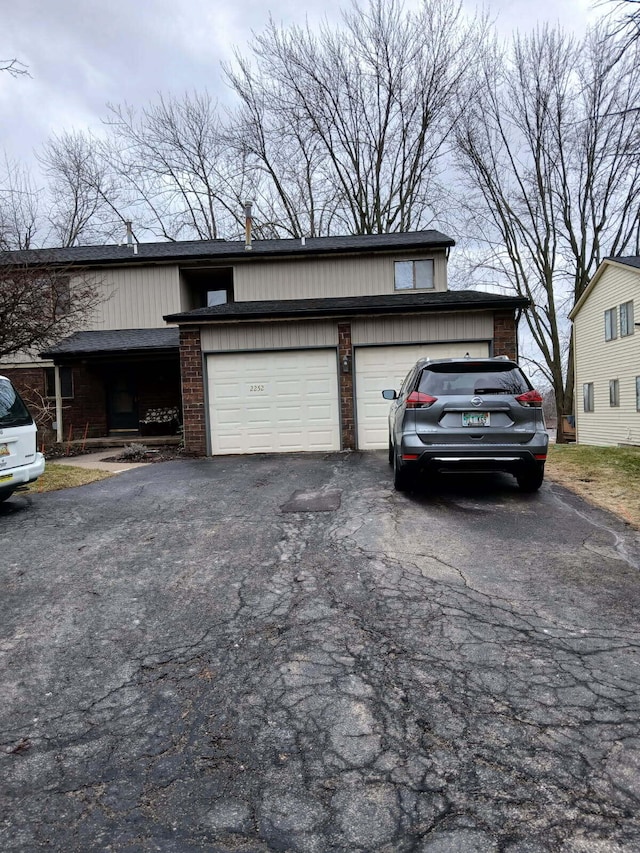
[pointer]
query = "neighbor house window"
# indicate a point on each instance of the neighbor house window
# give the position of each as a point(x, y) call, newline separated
point(614, 392)
point(66, 382)
point(610, 325)
point(414, 275)
point(587, 396)
point(626, 319)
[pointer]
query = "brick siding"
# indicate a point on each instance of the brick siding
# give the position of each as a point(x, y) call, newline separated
point(193, 413)
point(347, 406)
point(505, 334)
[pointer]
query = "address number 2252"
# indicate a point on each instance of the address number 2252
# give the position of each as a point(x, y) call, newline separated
point(256, 387)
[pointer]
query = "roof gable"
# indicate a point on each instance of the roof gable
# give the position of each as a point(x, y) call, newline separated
point(631, 262)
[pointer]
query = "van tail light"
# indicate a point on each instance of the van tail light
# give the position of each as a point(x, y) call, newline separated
point(531, 399)
point(418, 400)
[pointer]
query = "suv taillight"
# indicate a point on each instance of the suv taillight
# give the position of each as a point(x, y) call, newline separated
point(418, 400)
point(530, 398)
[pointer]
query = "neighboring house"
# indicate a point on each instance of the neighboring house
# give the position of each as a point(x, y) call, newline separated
point(275, 345)
point(607, 355)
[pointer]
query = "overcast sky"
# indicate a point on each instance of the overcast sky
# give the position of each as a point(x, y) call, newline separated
point(82, 54)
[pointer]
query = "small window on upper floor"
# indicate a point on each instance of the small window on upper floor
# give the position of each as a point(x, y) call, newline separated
point(626, 319)
point(414, 275)
point(610, 324)
point(587, 396)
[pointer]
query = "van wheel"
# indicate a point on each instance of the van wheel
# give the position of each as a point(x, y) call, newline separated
point(531, 478)
point(6, 495)
point(390, 452)
point(401, 477)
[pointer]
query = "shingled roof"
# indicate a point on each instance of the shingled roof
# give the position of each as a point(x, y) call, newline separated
point(351, 306)
point(629, 260)
point(193, 250)
point(116, 341)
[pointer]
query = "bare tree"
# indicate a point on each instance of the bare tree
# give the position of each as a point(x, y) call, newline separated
point(19, 207)
point(174, 160)
point(624, 21)
point(83, 194)
point(40, 304)
point(347, 127)
point(552, 172)
point(14, 67)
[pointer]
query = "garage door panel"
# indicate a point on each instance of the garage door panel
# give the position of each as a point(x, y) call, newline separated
point(273, 401)
point(377, 368)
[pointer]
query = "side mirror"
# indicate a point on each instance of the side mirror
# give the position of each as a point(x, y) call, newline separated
point(390, 394)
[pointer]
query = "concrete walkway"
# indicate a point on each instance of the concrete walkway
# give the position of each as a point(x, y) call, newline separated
point(95, 461)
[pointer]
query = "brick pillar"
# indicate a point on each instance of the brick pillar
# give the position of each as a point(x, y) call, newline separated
point(347, 418)
point(505, 334)
point(192, 391)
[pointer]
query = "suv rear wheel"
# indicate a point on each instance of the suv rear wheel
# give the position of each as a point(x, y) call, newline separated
point(530, 479)
point(401, 477)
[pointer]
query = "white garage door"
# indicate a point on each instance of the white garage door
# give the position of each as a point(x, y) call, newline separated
point(378, 368)
point(273, 402)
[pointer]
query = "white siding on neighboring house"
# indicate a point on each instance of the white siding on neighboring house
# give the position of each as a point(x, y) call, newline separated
point(317, 278)
point(598, 361)
point(135, 297)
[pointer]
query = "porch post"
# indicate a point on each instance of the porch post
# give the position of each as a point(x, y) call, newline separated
point(58, 389)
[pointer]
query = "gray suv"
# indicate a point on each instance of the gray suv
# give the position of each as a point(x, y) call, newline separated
point(467, 414)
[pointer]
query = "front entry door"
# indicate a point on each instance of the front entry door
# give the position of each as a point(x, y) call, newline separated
point(122, 403)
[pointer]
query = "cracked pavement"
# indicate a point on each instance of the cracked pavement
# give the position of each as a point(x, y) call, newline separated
point(283, 654)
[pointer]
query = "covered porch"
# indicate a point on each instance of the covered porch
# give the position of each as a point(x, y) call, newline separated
point(118, 386)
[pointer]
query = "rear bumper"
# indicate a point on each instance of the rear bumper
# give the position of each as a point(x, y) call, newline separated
point(488, 457)
point(13, 477)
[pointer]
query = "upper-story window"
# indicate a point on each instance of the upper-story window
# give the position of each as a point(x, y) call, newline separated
point(610, 324)
point(414, 275)
point(587, 397)
point(626, 319)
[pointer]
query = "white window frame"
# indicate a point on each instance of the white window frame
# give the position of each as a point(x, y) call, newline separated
point(626, 319)
point(407, 271)
point(67, 383)
point(614, 392)
point(588, 397)
point(610, 324)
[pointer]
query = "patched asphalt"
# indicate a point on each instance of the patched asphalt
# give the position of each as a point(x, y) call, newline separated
point(281, 653)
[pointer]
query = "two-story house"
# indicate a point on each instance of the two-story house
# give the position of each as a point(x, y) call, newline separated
point(607, 355)
point(271, 345)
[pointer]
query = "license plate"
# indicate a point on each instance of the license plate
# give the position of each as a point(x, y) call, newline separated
point(4, 450)
point(475, 419)
point(5, 477)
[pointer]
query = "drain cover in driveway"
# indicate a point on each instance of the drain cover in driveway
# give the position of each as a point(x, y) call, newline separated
point(324, 500)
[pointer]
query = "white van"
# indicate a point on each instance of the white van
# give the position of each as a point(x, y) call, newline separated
point(20, 462)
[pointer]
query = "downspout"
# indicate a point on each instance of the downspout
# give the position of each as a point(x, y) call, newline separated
point(58, 390)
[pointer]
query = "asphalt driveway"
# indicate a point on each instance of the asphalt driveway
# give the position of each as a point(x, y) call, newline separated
point(283, 654)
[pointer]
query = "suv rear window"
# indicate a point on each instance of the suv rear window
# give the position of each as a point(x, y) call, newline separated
point(441, 380)
point(13, 411)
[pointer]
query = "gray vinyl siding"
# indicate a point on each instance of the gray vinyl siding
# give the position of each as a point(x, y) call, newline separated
point(135, 297)
point(472, 326)
point(598, 361)
point(327, 277)
point(268, 336)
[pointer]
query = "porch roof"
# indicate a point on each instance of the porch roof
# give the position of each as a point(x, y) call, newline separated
point(118, 341)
